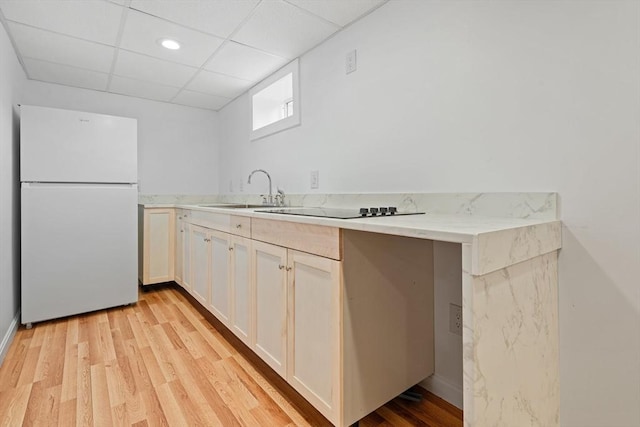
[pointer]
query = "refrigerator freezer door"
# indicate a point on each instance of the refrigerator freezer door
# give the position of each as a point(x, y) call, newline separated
point(79, 249)
point(71, 146)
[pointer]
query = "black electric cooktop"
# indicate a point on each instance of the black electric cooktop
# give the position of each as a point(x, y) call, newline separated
point(341, 213)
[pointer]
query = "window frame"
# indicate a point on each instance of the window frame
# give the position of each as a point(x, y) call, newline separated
point(288, 122)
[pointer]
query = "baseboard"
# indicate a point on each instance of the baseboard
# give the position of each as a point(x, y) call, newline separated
point(448, 391)
point(8, 337)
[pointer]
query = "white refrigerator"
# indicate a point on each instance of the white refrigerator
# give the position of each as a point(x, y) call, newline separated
point(79, 196)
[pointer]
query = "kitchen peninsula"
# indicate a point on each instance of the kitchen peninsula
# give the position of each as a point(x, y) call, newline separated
point(370, 294)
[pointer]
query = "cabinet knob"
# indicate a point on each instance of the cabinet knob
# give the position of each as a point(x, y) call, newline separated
point(231, 248)
point(182, 231)
point(281, 266)
point(238, 225)
point(288, 268)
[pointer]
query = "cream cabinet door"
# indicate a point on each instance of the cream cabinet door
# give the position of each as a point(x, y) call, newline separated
point(241, 289)
point(313, 363)
point(157, 245)
point(186, 256)
point(269, 269)
point(219, 261)
point(199, 237)
point(179, 250)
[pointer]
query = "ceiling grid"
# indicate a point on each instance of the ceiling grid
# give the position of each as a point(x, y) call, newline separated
point(227, 46)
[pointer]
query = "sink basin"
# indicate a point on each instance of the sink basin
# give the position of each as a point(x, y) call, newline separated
point(236, 206)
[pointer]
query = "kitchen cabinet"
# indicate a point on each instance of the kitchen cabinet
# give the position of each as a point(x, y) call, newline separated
point(297, 300)
point(269, 266)
point(217, 267)
point(185, 251)
point(313, 335)
point(156, 245)
point(178, 267)
point(219, 282)
point(199, 260)
point(241, 288)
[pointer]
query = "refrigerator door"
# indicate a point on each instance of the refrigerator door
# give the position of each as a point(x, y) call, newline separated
point(71, 146)
point(79, 249)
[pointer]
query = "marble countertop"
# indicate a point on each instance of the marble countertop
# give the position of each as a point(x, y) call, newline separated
point(444, 227)
point(495, 242)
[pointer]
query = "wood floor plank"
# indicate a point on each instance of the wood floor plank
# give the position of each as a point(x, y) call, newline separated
point(164, 361)
point(70, 367)
point(106, 342)
point(43, 406)
point(137, 329)
point(84, 405)
point(170, 406)
point(120, 415)
point(204, 381)
point(95, 346)
point(16, 357)
point(43, 367)
point(266, 406)
point(29, 366)
point(67, 414)
point(13, 405)
point(153, 411)
point(191, 378)
point(282, 402)
point(193, 409)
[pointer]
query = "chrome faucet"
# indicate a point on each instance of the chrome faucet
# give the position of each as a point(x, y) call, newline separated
point(270, 200)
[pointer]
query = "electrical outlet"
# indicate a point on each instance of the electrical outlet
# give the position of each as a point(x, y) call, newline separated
point(351, 63)
point(455, 319)
point(315, 179)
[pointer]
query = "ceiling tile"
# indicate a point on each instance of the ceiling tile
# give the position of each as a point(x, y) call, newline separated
point(200, 100)
point(94, 20)
point(66, 75)
point(219, 84)
point(52, 47)
point(142, 89)
point(218, 17)
point(340, 12)
point(283, 29)
point(142, 33)
point(244, 62)
point(145, 68)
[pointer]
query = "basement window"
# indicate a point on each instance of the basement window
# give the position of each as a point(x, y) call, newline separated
point(275, 102)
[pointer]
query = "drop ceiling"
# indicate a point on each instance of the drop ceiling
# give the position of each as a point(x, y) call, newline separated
point(227, 46)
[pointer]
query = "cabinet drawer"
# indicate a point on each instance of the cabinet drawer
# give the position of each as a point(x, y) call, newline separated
point(310, 238)
point(240, 225)
point(214, 220)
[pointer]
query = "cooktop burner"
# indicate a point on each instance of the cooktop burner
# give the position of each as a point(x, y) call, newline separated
point(341, 213)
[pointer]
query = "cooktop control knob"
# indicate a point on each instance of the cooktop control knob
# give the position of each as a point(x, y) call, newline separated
point(393, 210)
point(364, 211)
point(374, 211)
point(383, 211)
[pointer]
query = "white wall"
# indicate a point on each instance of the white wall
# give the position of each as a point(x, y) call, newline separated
point(177, 146)
point(472, 96)
point(11, 82)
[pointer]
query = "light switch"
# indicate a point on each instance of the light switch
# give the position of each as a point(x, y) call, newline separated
point(315, 183)
point(351, 62)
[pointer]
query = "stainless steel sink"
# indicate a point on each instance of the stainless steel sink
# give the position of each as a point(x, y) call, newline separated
point(236, 206)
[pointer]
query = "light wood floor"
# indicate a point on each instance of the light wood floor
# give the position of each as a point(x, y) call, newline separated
point(161, 362)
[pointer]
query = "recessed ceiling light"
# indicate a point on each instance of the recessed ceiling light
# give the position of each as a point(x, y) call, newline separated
point(169, 44)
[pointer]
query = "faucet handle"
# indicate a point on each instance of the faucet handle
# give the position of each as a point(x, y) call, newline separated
point(264, 199)
point(280, 197)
